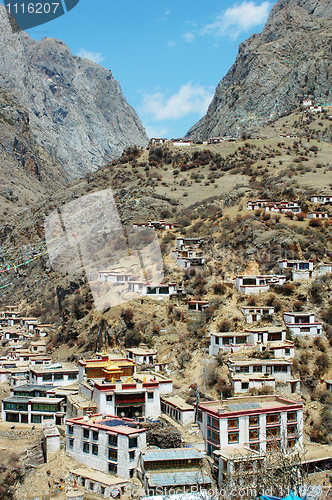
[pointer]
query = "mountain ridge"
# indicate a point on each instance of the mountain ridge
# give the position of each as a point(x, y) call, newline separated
point(290, 58)
point(77, 110)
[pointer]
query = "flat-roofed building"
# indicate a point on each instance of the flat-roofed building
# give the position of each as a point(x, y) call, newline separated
point(114, 277)
point(180, 468)
point(176, 408)
point(142, 354)
point(105, 442)
point(32, 410)
point(98, 482)
point(135, 397)
point(259, 422)
point(253, 314)
point(300, 269)
point(232, 461)
point(269, 337)
point(255, 284)
point(302, 323)
point(58, 374)
point(197, 305)
point(321, 198)
point(152, 289)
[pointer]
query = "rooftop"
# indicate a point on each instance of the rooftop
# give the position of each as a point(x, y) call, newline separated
point(238, 452)
point(98, 476)
point(173, 478)
point(55, 368)
point(172, 454)
point(108, 423)
point(247, 403)
point(247, 362)
point(178, 402)
point(142, 351)
point(26, 399)
point(32, 387)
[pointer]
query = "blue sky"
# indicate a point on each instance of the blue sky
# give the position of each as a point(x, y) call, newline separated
point(168, 56)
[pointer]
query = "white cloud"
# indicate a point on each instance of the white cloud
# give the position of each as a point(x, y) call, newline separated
point(92, 56)
point(171, 43)
point(189, 99)
point(156, 132)
point(189, 37)
point(238, 19)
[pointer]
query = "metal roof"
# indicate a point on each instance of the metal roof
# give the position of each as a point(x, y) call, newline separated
point(174, 478)
point(33, 387)
point(244, 406)
point(171, 454)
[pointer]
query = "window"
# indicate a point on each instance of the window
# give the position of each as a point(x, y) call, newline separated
point(131, 472)
point(133, 442)
point(254, 446)
point(233, 423)
point(86, 433)
point(200, 416)
point(216, 340)
point(112, 454)
point(273, 432)
point(109, 397)
point(47, 376)
point(95, 435)
point(280, 368)
point(257, 368)
point(44, 407)
point(254, 435)
point(132, 455)
point(36, 419)
point(245, 385)
point(58, 376)
point(71, 443)
point(272, 419)
point(291, 443)
point(102, 490)
point(95, 449)
point(70, 429)
point(291, 430)
point(212, 422)
point(287, 351)
point(291, 416)
point(240, 340)
point(92, 486)
point(254, 421)
point(233, 437)
point(112, 468)
point(150, 395)
point(213, 435)
point(86, 447)
point(72, 376)
point(112, 440)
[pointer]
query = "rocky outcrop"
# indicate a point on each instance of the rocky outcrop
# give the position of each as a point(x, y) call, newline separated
point(77, 111)
point(290, 58)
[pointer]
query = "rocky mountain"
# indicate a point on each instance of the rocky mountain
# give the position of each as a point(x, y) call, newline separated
point(290, 58)
point(76, 108)
point(28, 172)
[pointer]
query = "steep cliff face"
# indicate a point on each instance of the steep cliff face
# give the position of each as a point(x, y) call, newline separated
point(77, 110)
point(290, 58)
point(28, 172)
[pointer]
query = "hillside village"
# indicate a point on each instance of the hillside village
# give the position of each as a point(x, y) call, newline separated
point(213, 377)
